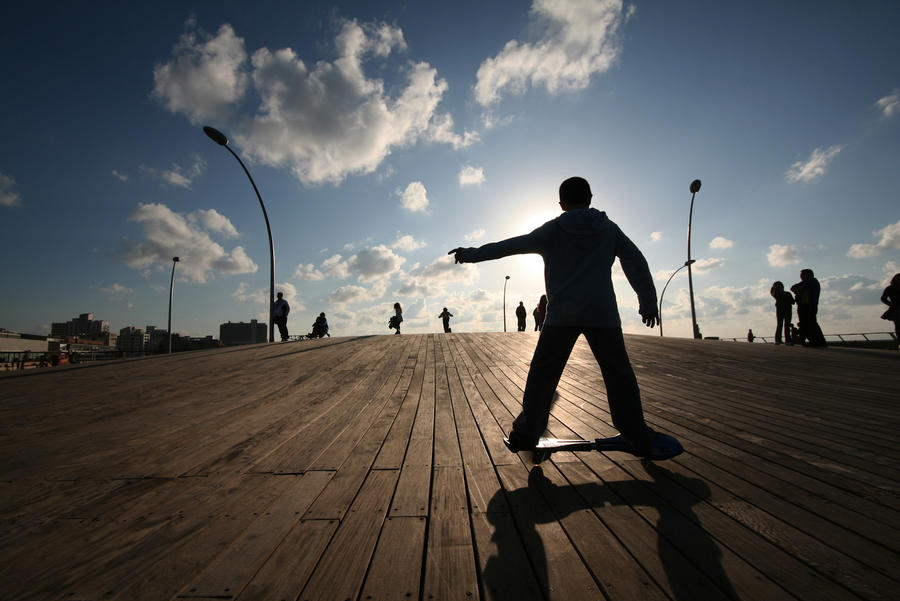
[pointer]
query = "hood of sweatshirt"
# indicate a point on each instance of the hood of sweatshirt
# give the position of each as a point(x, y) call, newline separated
point(582, 226)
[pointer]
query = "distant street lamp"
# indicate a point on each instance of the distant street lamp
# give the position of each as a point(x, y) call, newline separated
point(695, 187)
point(504, 302)
point(220, 139)
point(171, 289)
point(686, 264)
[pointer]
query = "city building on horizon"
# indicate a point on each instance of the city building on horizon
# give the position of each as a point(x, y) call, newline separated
point(233, 334)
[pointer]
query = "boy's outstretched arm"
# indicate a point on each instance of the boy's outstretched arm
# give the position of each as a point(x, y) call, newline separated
point(518, 245)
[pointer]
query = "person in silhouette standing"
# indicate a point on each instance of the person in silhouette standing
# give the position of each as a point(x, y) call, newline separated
point(446, 315)
point(579, 248)
point(891, 297)
point(521, 314)
point(395, 321)
point(541, 313)
point(806, 292)
point(750, 335)
point(280, 311)
point(783, 312)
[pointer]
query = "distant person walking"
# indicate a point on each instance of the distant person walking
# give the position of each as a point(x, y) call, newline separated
point(578, 249)
point(891, 297)
point(750, 336)
point(541, 313)
point(446, 315)
point(784, 303)
point(521, 314)
point(395, 321)
point(280, 311)
point(806, 293)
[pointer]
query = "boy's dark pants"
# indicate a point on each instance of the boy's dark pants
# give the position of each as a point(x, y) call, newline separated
point(553, 349)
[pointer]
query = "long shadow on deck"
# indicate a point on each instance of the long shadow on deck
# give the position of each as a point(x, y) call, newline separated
point(690, 557)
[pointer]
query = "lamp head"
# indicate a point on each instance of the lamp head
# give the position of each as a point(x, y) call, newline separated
point(175, 259)
point(215, 135)
point(507, 277)
point(695, 185)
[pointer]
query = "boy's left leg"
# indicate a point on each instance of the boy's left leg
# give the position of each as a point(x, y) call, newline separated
point(622, 392)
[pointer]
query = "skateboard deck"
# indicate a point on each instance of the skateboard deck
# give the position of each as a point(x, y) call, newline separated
point(663, 446)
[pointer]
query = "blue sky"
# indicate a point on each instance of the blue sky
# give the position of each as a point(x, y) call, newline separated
point(383, 134)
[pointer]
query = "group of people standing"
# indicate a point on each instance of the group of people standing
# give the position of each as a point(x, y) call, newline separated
point(805, 294)
point(539, 313)
point(806, 297)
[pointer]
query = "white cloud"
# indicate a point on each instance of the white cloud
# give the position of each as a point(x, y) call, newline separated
point(332, 267)
point(580, 38)
point(206, 77)
point(8, 195)
point(308, 272)
point(655, 236)
point(780, 255)
point(720, 242)
point(261, 297)
point(445, 270)
point(116, 291)
point(417, 288)
point(890, 104)
point(471, 176)
point(707, 265)
point(890, 240)
point(407, 243)
point(347, 294)
point(814, 167)
point(214, 221)
point(475, 235)
point(169, 234)
point(375, 263)
point(178, 175)
point(323, 121)
point(414, 198)
point(119, 176)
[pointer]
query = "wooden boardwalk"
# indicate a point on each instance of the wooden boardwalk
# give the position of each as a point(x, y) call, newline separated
point(374, 468)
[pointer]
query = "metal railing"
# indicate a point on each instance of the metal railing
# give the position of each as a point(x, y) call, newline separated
point(884, 337)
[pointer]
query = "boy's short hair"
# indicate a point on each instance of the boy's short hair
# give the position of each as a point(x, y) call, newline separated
point(575, 192)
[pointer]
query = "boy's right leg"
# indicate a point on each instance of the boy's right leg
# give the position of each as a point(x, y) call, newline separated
point(622, 392)
point(550, 356)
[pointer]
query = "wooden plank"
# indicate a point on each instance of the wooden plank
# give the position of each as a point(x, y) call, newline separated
point(558, 568)
point(288, 569)
point(396, 569)
point(342, 568)
point(394, 448)
point(450, 559)
point(234, 568)
point(502, 562)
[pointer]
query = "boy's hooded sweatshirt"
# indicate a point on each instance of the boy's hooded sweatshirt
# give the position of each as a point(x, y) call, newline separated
point(579, 248)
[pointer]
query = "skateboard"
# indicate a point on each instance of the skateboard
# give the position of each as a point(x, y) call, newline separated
point(663, 446)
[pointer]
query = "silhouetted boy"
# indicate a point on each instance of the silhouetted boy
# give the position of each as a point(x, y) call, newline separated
point(579, 248)
point(280, 311)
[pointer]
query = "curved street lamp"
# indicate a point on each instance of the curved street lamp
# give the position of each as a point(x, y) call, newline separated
point(686, 264)
point(695, 187)
point(171, 289)
point(504, 302)
point(220, 139)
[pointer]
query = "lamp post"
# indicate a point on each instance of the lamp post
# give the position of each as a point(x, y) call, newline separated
point(504, 302)
point(663, 293)
point(695, 186)
point(220, 139)
point(171, 289)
